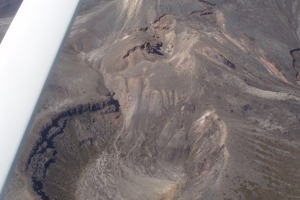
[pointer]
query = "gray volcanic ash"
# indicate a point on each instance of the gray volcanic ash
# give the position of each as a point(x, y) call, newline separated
point(172, 99)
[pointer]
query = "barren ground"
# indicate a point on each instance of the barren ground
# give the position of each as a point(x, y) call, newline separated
point(172, 99)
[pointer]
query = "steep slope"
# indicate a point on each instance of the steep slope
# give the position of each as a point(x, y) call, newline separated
point(208, 93)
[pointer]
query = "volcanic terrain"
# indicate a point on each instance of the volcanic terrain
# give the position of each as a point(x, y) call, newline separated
point(169, 100)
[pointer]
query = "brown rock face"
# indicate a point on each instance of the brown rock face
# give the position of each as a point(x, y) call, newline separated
point(181, 99)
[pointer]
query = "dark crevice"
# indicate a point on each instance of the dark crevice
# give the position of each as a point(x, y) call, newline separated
point(295, 53)
point(130, 51)
point(225, 61)
point(228, 63)
point(38, 188)
point(157, 20)
point(206, 13)
point(144, 29)
point(207, 9)
point(294, 50)
point(207, 2)
point(201, 12)
point(148, 47)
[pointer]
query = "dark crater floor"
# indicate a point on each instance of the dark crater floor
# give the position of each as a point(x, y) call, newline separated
point(67, 143)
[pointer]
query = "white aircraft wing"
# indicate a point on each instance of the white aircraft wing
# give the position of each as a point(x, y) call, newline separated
point(27, 53)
